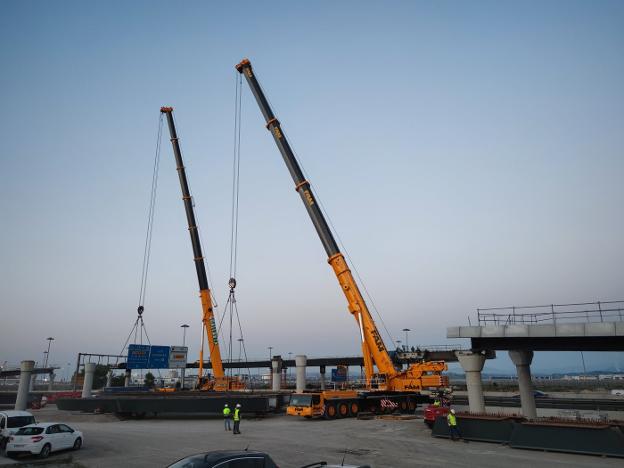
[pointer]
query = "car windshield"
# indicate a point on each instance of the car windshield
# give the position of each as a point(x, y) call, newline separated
point(300, 400)
point(19, 421)
point(195, 461)
point(29, 431)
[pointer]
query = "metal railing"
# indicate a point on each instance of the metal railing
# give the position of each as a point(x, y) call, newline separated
point(583, 312)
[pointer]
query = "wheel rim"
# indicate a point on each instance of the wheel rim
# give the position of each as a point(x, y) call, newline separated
point(45, 451)
point(331, 411)
point(343, 409)
point(354, 408)
point(78, 443)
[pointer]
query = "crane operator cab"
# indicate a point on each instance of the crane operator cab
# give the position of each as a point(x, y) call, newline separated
point(305, 404)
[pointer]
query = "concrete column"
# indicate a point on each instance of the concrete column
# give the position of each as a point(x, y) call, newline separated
point(322, 377)
point(109, 378)
point(128, 379)
point(31, 384)
point(301, 362)
point(26, 369)
point(472, 363)
point(276, 374)
point(51, 382)
point(87, 385)
point(522, 360)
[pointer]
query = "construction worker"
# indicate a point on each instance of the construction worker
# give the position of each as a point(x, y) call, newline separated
point(227, 417)
point(237, 419)
point(451, 420)
point(436, 403)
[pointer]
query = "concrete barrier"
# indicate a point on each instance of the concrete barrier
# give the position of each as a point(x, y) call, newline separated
point(484, 429)
point(603, 440)
point(555, 436)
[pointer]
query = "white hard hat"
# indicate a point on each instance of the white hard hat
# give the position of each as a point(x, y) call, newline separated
point(238, 405)
point(452, 411)
point(226, 405)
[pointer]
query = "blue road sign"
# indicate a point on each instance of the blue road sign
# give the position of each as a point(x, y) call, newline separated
point(159, 357)
point(339, 375)
point(138, 356)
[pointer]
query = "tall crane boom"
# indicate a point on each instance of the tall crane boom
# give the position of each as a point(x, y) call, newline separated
point(204, 291)
point(373, 348)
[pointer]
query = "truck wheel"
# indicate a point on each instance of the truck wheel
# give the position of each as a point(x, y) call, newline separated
point(354, 408)
point(403, 406)
point(343, 409)
point(330, 411)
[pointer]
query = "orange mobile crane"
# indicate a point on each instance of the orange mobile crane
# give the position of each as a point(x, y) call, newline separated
point(388, 388)
point(220, 382)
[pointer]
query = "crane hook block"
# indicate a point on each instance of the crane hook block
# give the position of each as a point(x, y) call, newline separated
point(165, 109)
point(140, 310)
point(232, 283)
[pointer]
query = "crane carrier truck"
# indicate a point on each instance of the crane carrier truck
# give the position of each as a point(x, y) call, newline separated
point(387, 388)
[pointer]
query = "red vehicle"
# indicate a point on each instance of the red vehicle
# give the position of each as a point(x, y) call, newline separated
point(440, 407)
point(432, 412)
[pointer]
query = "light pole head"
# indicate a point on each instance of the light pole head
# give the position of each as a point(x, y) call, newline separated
point(184, 326)
point(406, 329)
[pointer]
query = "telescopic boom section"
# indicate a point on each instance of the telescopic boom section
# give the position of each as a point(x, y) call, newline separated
point(204, 291)
point(373, 348)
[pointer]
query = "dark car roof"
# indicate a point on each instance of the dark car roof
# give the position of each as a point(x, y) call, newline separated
point(222, 455)
point(218, 456)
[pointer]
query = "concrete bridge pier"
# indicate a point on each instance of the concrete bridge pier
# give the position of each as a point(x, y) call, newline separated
point(522, 359)
point(472, 363)
point(301, 362)
point(87, 386)
point(128, 378)
point(51, 381)
point(26, 368)
point(276, 373)
point(322, 370)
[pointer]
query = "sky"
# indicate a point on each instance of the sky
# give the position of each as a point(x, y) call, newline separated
point(469, 154)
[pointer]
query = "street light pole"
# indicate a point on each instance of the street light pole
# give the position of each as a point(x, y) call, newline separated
point(184, 327)
point(50, 340)
point(406, 330)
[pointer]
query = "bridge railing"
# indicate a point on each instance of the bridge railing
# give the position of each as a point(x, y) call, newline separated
point(583, 312)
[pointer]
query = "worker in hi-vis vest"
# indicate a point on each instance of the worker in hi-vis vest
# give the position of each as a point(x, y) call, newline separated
point(227, 417)
point(237, 417)
point(451, 419)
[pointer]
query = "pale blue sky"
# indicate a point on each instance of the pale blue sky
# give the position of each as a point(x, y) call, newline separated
point(470, 154)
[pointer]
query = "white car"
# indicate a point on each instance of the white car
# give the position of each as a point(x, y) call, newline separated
point(10, 422)
point(42, 439)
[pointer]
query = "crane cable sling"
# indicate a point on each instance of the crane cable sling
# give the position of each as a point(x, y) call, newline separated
point(147, 249)
point(231, 307)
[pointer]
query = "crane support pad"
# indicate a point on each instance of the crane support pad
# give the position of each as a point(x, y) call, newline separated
point(562, 436)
